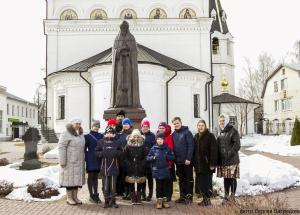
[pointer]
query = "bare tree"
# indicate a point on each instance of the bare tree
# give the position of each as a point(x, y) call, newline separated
point(252, 85)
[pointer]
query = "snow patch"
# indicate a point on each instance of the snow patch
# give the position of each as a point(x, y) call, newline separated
point(52, 154)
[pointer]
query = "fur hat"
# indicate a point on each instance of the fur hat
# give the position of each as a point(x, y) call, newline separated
point(136, 132)
point(75, 120)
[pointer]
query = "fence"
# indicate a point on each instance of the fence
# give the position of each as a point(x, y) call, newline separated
point(276, 128)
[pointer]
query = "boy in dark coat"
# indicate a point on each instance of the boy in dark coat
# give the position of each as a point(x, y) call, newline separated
point(109, 151)
point(159, 156)
point(205, 161)
point(183, 149)
point(135, 155)
point(92, 162)
point(150, 142)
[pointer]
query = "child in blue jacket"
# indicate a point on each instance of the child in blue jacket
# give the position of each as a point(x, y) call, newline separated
point(159, 156)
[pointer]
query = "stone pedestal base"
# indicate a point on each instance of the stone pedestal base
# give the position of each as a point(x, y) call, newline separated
point(136, 115)
point(31, 164)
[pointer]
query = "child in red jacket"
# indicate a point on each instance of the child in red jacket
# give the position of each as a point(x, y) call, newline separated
point(163, 127)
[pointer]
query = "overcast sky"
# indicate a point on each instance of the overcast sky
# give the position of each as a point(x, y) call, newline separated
point(257, 26)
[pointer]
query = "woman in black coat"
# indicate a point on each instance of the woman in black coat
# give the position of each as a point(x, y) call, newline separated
point(229, 146)
point(205, 161)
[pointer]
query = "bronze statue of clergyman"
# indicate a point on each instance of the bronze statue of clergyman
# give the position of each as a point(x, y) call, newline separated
point(125, 78)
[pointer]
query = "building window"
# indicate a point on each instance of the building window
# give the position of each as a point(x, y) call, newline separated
point(30, 113)
point(233, 120)
point(12, 110)
point(228, 47)
point(286, 104)
point(284, 84)
point(283, 71)
point(276, 104)
point(215, 45)
point(1, 121)
point(275, 86)
point(26, 112)
point(7, 109)
point(68, 14)
point(22, 111)
point(61, 107)
point(197, 105)
point(33, 114)
point(18, 111)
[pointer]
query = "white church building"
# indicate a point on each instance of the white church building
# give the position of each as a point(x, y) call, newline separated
point(185, 51)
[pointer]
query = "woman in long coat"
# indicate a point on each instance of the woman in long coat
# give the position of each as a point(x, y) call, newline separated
point(229, 146)
point(72, 160)
point(205, 161)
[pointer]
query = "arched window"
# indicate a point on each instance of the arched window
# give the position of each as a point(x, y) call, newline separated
point(98, 14)
point(158, 13)
point(187, 13)
point(215, 45)
point(68, 14)
point(128, 14)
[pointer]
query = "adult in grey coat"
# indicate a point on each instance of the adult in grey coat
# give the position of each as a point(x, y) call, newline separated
point(71, 160)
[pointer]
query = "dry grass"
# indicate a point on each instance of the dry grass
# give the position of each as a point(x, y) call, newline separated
point(20, 144)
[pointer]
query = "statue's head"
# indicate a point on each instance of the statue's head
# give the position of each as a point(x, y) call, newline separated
point(124, 27)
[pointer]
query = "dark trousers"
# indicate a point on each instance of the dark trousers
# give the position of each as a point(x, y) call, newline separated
point(204, 184)
point(139, 188)
point(230, 184)
point(109, 186)
point(122, 185)
point(170, 183)
point(92, 182)
point(161, 188)
point(186, 179)
point(149, 182)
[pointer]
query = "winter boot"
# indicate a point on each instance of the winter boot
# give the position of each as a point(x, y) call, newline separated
point(75, 193)
point(205, 202)
point(70, 199)
point(97, 198)
point(149, 197)
point(188, 199)
point(133, 198)
point(144, 197)
point(113, 203)
point(159, 203)
point(165, 203)
point(106, 203)
point(138, 198)
point(180, 200)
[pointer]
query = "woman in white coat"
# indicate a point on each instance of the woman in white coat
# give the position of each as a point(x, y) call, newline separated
point(71, 160)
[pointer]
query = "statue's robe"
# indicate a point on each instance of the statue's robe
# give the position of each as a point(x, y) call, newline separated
point(125, 77)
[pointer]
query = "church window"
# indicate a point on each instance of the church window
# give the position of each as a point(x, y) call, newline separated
point(275, 86)
point(12, 110)
point(68, 14)
point(61, 107)
point(98, 14)
point(128, 14)
point(1, 121)
point(215, 45)
point(7, 110)
point(158, 13)
point(187, 13)
point(196, 105)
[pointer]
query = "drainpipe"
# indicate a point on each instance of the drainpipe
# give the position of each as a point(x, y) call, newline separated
point(208, 99)
point(246, 123)
point(46, 69)
point(167, 95)
point(90, 99)
point(212, 75)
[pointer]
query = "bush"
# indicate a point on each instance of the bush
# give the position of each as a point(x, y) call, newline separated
point(295, 140)
point(40, 190)
point(46, 149)
point(5, 188)
point(3, 162)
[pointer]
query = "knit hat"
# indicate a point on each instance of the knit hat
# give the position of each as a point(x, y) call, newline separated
point(110, 129)
point(96, 123)
point(136, 132)
point(163, 124)
point(76, 120)
point(121, 113)
point(126, 121)
point(145, 122)
point(160, 135)
point(112, 122)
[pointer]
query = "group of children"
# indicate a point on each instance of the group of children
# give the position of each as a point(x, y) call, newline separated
point(127, 158)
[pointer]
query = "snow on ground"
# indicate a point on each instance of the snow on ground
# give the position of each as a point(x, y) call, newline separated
point(279, 145)
point(52, 154)
point(22, 178)
point(260, 174)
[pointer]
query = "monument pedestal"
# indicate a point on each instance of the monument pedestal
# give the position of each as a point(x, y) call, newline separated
point(136, 115)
